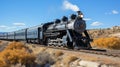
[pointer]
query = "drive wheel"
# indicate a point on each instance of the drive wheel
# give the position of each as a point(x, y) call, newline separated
point(76, 46)
point(69, 44)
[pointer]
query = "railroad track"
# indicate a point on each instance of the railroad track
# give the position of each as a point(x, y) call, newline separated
point(90, 51)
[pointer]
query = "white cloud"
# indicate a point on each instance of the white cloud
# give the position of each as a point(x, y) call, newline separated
point(19, 24)
point(69, 6)
point(3, 27)
point(6, 27)
point(96, 23)
point(87, 19)
point(13, 27)
point(115, 12)
point(112, 12)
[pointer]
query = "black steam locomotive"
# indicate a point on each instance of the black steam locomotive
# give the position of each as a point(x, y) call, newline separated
point(70, 33)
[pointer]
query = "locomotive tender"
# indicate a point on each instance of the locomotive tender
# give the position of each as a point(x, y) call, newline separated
point(70, 33)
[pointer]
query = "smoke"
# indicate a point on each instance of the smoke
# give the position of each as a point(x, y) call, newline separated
point(69, 6)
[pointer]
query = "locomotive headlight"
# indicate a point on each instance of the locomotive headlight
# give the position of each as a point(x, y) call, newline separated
point(81, 16)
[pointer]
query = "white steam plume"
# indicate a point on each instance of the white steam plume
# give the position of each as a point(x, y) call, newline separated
point(69, 6)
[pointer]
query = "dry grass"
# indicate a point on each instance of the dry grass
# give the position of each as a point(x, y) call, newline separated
point(65, 61)
point(68, 59)
point(96, 33)
point(108, 42)
point(15, 45)
point(15, 53)
point(0, 41)
point(36, 50)
point(58, 53)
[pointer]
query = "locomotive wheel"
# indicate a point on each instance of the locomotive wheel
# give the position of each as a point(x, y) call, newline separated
point(79, 44)
point(45, 42)
point(89, 46)
point(76, 45)
point(69, 44)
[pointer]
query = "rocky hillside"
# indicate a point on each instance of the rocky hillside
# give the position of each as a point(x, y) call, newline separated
point(107, 32)
point(63, 58)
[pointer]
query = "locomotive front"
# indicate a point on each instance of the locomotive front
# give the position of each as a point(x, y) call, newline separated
point(77, 23)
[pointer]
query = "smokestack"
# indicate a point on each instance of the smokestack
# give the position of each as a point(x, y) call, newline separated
point(79, 13)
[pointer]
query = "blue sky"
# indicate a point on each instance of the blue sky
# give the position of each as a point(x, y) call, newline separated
point(19, 14)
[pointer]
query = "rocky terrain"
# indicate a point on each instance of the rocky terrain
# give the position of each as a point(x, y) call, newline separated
point(50, 57)
point(63, 58)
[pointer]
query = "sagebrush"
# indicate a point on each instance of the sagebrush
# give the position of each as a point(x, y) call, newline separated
point(15, 53)
point(107, 42)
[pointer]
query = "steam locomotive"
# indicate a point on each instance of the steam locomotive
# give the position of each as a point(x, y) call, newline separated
point(70, 33)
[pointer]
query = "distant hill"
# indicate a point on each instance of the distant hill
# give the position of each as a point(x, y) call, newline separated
point(107, 32)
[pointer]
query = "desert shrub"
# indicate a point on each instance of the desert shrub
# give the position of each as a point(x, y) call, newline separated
point(16, 45)
point(58, 53)
point(3, 63)
point(44, 58)
point(108, 42)
point(67, 59)
point(42, 49)
point(37, 50)
point(15, 53)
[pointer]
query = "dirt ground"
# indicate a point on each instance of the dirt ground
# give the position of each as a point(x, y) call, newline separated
point(3, 44)
point(84, 56)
